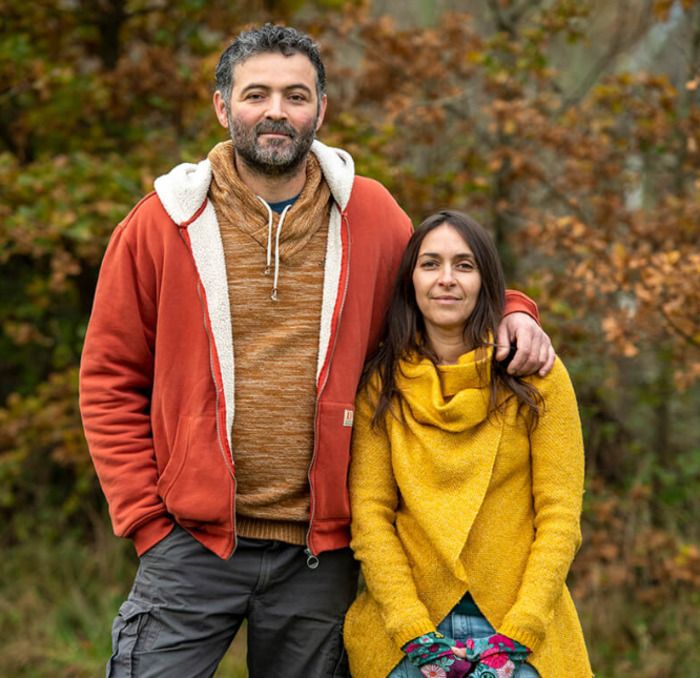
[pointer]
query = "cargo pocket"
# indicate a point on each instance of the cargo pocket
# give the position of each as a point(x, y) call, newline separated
point(135, 626)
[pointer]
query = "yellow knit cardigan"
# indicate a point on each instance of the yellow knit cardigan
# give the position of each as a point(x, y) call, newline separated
point(449, 500)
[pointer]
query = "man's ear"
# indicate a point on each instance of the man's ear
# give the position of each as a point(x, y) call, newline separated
point(220, 109)
point(321, 111)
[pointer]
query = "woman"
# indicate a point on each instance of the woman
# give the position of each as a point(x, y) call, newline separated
point(465, 483)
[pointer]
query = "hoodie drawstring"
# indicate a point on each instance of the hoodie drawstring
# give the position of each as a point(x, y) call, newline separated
point(276, 276)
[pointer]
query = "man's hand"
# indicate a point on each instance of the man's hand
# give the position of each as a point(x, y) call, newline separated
point(534, 349)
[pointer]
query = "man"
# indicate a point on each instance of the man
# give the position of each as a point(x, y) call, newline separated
point(254, 281)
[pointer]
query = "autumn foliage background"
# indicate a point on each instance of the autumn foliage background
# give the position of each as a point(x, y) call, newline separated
point(571, 128)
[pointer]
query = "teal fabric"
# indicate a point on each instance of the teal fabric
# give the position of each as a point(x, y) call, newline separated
point(467, 605)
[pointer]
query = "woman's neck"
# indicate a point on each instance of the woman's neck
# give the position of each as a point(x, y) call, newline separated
point(447, 345)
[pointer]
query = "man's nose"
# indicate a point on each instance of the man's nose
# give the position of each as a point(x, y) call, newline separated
point(275, 109)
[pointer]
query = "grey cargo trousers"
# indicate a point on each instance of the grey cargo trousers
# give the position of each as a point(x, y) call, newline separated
point(186, 605)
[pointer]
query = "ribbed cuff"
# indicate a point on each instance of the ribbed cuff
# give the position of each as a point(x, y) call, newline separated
point(412, 631)
point(517, 302)
point(524, 636)
point(279, 530)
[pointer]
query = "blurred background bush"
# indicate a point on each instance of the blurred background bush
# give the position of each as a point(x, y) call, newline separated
point(572, 129)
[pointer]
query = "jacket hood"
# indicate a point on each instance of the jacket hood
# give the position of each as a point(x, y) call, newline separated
point(183, 190)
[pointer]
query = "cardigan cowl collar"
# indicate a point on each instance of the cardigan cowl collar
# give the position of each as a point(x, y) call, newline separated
point(453, 398)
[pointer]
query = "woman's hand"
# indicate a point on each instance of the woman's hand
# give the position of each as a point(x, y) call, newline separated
point(534, 352)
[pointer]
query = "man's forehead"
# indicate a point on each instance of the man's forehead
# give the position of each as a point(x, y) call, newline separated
point(274, 68)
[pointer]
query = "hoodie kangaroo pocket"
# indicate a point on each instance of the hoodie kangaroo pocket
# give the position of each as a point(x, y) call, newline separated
point(196, 484)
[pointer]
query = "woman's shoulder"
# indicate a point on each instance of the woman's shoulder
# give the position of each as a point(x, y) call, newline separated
point(557, 380)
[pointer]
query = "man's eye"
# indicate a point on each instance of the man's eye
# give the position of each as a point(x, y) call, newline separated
point(298, 98)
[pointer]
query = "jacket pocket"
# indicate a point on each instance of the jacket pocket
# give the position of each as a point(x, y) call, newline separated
point(329, 475)
point(196, 484)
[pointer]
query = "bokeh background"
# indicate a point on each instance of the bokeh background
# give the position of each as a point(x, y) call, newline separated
point(569, 127)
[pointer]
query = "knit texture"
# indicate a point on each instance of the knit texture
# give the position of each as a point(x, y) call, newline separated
point(278, 345)
point(449, 499)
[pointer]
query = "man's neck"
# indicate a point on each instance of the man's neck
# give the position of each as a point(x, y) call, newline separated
point(272, 188)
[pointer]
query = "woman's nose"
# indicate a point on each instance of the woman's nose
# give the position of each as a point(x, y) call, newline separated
point(447, 276)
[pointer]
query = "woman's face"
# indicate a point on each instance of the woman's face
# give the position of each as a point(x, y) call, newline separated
point(446, 281)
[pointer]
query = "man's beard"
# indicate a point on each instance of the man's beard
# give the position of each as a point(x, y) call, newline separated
point(278, 157)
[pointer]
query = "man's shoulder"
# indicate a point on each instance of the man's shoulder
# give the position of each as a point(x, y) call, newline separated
point(373, 210)
point(178, 195)
point(370, 194)
point(371, 187)
point(148, 210)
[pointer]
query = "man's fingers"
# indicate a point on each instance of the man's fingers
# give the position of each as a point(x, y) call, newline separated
point(523, 355)
point(503, 342)
point(549, 361)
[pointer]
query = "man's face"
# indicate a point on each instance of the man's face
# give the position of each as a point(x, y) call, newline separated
point(274, 111)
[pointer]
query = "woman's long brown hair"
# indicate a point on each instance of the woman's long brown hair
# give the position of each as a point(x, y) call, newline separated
point(404, 331)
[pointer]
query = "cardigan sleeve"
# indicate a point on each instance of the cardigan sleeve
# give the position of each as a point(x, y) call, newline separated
point(374, 499)
point(557, 459)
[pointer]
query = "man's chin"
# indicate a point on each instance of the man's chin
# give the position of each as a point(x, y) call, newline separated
point(274, 165)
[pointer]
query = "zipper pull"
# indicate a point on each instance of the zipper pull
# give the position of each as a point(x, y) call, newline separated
point(312, 561)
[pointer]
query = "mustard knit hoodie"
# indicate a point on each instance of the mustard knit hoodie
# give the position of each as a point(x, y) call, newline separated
point(448, 500)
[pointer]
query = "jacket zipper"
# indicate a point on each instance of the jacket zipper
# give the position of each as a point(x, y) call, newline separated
point(312, 560)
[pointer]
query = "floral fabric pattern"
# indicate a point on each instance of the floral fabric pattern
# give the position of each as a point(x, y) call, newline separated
point(497, 656)
point(432, 654)
point(494, 656)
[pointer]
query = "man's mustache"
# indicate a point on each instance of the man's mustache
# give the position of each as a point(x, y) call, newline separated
point(274, 127)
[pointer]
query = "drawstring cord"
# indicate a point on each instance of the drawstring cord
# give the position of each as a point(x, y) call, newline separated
point(269, 233)
point(275, 279)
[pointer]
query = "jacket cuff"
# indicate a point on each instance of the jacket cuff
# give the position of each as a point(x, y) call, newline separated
point(415, 629)
point(150, 533)
point(524, 636)
point(517, 302)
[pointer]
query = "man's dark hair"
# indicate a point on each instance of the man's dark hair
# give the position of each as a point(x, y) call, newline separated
point(267, 38)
